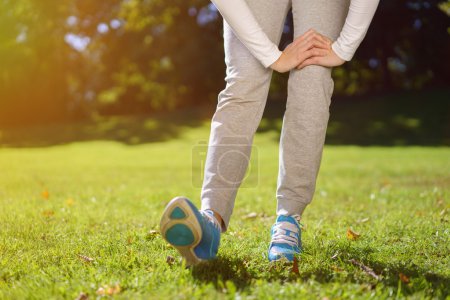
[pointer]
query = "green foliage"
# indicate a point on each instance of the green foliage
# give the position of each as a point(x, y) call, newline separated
point(33, 57)
point(445, 7)
point(64, 60)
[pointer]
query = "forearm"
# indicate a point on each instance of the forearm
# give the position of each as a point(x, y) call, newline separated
point(240, 18)
point(359, 17)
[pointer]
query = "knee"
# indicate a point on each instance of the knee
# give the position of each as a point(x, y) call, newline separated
point(245, 89)
point(242, 77)
point(313, 81)
point(310, 90)
point(313, 72)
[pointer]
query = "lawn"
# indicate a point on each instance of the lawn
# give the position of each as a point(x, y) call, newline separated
point(83, 217)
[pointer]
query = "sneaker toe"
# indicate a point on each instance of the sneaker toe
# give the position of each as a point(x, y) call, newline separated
point(278, 253)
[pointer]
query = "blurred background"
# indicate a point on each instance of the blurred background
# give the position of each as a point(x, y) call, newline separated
point(137, 71)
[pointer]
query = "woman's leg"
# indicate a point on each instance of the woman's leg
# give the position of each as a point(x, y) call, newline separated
point(307, 111)
point(239, 111)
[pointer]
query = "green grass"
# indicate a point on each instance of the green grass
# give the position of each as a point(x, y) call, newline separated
point(104, 198)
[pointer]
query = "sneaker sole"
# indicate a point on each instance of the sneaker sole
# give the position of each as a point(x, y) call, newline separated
point(180, 228)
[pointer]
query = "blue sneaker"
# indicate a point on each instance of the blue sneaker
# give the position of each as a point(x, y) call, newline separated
point(286, 238)
point(195, 234)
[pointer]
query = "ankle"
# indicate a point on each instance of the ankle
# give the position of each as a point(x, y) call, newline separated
point(216, 216)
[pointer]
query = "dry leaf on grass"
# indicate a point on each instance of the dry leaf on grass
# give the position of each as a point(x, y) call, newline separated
point(335, 255)
point(352, 235)
point(365, 268)
point(363, 220)
point(251, 215)
point(130, 240)
point(336, 269)
point(86, 258)
point(170, 260)
point(45, 194)
point(403, 278)
point(153, 232)
point(101, 291)
point(385, 183)
point(48, 213)
point(82, 296)
point(295, 266)
point(107, 290)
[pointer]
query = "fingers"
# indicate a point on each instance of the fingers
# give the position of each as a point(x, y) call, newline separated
point(314, 56)
point(324, 39)
point(305, 37)
point(316, 52)
point(312, 44)
point(312, 34)
point(307, 62)
point(316, 41)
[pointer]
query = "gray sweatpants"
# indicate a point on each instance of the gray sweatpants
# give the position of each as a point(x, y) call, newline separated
point(241, 104)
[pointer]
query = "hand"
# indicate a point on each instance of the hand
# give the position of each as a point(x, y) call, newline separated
point(330, 59)
point(309, 44)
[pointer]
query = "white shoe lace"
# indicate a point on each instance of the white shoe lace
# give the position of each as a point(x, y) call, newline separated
point(285, 233)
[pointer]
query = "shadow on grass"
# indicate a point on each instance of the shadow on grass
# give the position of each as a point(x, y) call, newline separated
point(221, 270)
point(403, 118)
point(129, 130)
point(340, 269)
point(354, 265)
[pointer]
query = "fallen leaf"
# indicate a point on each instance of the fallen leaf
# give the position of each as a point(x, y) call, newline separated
point(70, 202)
point(352, 235)
point(363, 220)
point(385, 183)
point(152, 234)
point(295, 266)
point(403, 278)
point(108, 290)
point(86, 258)
point(130, 240)
point(45, 194)
point(82, 296)
point(48, 213)
point(101, 291)
point(251, 215)
point(113, 290)
point(336, 269)
point(335, 255)
point(170, 260)
point(365, 268)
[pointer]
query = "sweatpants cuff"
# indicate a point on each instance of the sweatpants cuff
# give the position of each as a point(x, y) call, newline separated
point(221, 208)
point(290, 207)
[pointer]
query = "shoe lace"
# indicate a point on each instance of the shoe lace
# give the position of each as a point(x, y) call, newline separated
point(281, 235)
